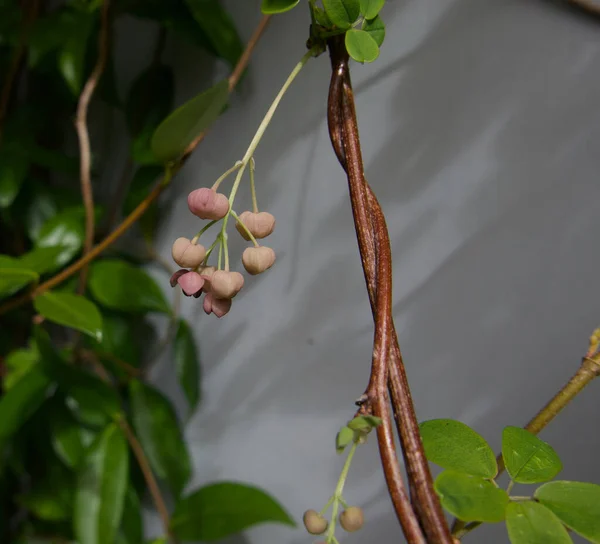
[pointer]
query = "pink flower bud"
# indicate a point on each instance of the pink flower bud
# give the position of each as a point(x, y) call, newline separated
point(259, 224)
point(186, 254)
point(208, 204)
point(226, 284)
point(175, 277)
point(258, 259)
point(191, 283)
point(217, 306)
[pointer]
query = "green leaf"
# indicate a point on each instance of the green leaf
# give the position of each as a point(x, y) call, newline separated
point(18, 363)
point(42, 259)
point(576, 504)
point(272, 7)
point(12, 174)
point(159, 433)
point(187, 364)
point(344, 437)
point(342, 13)
point(132, 528)
point(218, 27)
point(321, 17)
point(528, 459)
point(41, 207)
point(186, 123)
point(19, 403)
point(67, 437)
point(361, 46)
point(455, 446)
point(471, 498)
point(65, 229)
point(101, 488)
point(532, 523)
point(73, 311)
point(71, 59)
point(222, 509)
point(118, 338)
point(371, 8)
point(119, 285)
point(364, 423)
point(375, 29)
point(14, 276)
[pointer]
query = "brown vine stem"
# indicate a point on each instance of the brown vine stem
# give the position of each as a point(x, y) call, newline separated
point(587, 371)
point(13, 69)
point(587, 6)
point(85, 151)
point(144, 205)
point(387, 367)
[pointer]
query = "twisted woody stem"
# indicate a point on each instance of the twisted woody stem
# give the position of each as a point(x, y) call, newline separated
point(426, 522)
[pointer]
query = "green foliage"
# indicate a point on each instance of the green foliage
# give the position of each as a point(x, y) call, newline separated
point(272, 7)
point(532, 523)
point(528, 459)
point(471, 498)
point(361, 46)
point(187, 363)
point(342, 13)
point(356, 430)
point(455, 446)
point(222, 509)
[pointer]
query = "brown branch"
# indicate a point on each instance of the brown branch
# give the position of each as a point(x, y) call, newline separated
point(85, 151)
point(375, 252)
point(135, 214)
point(16, 61)
point(588, 6)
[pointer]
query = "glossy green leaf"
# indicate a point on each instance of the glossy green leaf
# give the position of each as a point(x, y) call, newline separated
point(159, 432)
point(344, 437)
point(219, 510)
point(12, 174)
point(576, 504)
point(471, 498)
point(71, 59)
point(187, 364)
point(528, 459)
point(375, 29)
point(19, 403)
point(342, 13)
point(73, 311)
point(321, 17)
point(17, 364)
point(14, 276)
point(455, 446)
point(186, 123)
point(132, 529)
point(272, 7)
point(101, 488)
point(361, 46)
point(66, 229)
point(371, 8)
point(119, 285)
point(42, 259)
point(532, 523)
point(218, 27)
point(66, 435)
point(119, 339)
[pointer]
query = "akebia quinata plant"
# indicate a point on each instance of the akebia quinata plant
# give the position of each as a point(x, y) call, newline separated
point(85, 439)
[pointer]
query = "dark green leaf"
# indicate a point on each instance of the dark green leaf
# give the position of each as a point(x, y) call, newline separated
point(376, 29)
point(132, 528)
point(71, 60)
point(532, 523)
point(271, 7)
point(455, 446)
point(119, 285)
point(118, 339)
point(41, 207)
point(67, 437)
point(12, 174)
point(65, 229)
point(69, 310)
point(222, 509)
point(371, 8)
point(361, 46)
point(528, 459)
point(342, 13)
point(42, 259)
point(218, 27)
point(576, 504)
point(471, 498)
point(344, 437)
point(186, 123)
point(19, 403)
point(47, 34)
point(18, 363)
point(14, 276)
point(159, 433)
point(101, 487)
point(187, 364)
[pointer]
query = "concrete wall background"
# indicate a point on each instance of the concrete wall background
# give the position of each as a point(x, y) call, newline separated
point(480, 129)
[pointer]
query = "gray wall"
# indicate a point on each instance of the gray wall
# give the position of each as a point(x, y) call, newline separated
point(480, 130)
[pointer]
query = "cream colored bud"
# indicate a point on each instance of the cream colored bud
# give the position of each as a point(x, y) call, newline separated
point(352, 519)
point(314, 522)
point(259, 224)
point(226, 284)
point(186, 254)
point(258, 259)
